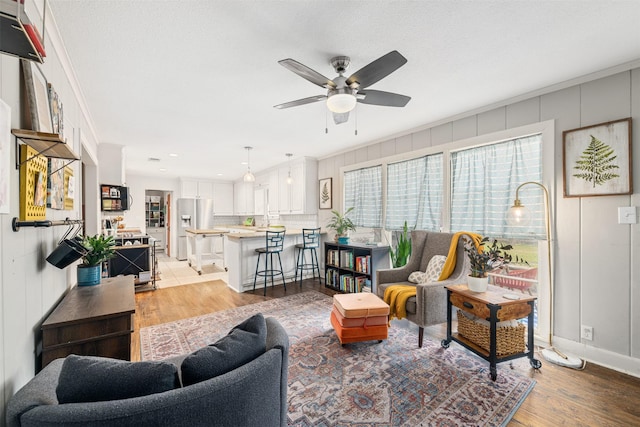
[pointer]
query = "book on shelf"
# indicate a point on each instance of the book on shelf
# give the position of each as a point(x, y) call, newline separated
point(346, 260)
point(34, 36)
point(363, 264)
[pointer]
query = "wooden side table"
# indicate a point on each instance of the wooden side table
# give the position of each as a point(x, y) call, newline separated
point(493, 307)
point(92, 321)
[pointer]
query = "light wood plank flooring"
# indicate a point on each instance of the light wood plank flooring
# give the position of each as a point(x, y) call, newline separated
point(596, 396)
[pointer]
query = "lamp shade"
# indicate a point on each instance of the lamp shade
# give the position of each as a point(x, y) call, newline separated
point(518, 214)
point(249, 177)
point(341, 102)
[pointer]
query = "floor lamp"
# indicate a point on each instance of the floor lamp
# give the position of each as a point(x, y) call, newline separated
point(518, 214)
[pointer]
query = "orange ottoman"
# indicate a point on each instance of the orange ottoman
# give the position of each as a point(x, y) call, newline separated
point(359, 317)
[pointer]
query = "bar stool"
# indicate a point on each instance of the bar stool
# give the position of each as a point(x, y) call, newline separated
point(310, 242)
point(275, 245)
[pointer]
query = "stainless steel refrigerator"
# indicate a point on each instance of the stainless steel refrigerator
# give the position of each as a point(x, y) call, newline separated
point(192, 213)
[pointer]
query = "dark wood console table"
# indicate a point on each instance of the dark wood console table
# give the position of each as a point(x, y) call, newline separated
point(92, 321)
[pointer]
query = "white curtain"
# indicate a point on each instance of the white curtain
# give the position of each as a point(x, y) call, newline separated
point(363, 191)
point(414, 194)
point(483, 186)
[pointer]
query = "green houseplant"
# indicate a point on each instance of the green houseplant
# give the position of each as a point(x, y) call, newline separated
point(99, 249)
point(341, 224)
point(487, 256)
point(401, 254)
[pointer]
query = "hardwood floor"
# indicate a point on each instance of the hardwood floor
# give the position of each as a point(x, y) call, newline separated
point(595, 396)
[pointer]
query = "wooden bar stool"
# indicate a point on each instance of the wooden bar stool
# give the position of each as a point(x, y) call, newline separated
point(310, 242)
point(274, 245)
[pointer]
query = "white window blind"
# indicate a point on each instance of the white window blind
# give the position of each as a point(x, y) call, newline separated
point(414, 194)
point(363, 191)
point(483, 187)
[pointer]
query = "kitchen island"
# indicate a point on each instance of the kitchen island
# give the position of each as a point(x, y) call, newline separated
point(241, 258)
point(196, 239)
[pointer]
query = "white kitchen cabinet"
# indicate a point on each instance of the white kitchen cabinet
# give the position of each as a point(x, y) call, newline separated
point(273, 201)
point(301, 196)
point(223, 198)
point(196, 188)
point(243, 198)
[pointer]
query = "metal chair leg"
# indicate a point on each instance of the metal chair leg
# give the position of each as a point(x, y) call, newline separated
point(284, 283)
point(255, 277)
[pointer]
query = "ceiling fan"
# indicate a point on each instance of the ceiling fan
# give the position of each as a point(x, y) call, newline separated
point(342, 92)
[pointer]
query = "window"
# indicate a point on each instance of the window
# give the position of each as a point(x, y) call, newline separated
point(414, 193)
point(363, 190)
point(483, 185)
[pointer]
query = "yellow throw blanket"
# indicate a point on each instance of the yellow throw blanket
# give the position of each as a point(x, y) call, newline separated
point(450, 263)
point(396, 296)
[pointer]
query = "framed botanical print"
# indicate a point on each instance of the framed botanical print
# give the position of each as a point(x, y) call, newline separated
point(597, 159)
point(326, 197)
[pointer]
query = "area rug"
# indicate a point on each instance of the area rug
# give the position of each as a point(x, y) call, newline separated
point(393, 383)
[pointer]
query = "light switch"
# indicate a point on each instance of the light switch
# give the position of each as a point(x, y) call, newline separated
point(627, 215)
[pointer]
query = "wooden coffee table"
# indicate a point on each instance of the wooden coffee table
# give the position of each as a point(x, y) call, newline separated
point(493, 307)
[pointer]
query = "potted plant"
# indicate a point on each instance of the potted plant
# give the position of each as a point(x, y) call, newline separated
point(342, 224)
point(99, 249)
point(484, 258)
point(401, 254)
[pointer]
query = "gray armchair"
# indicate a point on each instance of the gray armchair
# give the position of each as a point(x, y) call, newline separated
point(429, 306)
point(250, 395)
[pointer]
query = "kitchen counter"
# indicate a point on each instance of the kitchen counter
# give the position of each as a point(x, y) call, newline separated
point(241, 257)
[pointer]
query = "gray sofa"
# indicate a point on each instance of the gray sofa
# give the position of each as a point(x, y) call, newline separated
point(429, 306)
point(254, 394)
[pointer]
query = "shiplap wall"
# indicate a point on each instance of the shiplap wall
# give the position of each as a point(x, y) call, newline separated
point(29, 286)
point(596, 281)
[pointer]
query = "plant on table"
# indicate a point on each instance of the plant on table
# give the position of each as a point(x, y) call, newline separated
point(341, 223)
point(100, 248)
point(486, 257)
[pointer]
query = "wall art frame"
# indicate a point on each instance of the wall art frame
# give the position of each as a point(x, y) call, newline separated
point(326, 193)
point(37, 93)
point(597, 160)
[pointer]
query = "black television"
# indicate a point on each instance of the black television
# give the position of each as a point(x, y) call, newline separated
point(114, 198)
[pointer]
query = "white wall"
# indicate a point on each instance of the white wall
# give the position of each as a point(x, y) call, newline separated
point(29, 286)
point(596, 279)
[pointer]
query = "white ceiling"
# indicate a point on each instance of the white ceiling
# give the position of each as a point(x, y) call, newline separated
point(199, 78)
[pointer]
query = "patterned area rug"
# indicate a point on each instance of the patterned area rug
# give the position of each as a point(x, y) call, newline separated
point(393, 383)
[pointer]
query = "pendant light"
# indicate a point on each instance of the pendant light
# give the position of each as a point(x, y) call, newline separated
point(289, 179)
point(248, 176)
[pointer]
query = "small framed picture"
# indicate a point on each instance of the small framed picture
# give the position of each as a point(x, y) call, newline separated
point(326, 198)
point(597, 160)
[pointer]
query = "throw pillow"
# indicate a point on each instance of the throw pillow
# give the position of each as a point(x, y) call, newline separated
point(95, 379)
point(434, 269)
point(417, 277)
point(244, 343)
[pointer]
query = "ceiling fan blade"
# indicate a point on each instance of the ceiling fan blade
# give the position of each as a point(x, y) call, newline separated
point(302, 101)
point(307, 73)
point(339, 118)
point(378, 97)
point(377, 70)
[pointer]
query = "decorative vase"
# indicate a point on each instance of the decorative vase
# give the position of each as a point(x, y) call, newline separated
point(88, 275)
point(477, 284)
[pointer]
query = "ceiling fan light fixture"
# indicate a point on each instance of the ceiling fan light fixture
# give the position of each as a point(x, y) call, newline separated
point(342, 101)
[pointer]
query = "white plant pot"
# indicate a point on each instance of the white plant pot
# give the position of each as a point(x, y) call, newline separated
point(477, 284)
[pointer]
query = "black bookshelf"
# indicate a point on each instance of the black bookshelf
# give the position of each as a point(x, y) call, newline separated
point(352, 268)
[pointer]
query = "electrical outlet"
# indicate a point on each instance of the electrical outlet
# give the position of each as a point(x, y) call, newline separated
point(587, 332)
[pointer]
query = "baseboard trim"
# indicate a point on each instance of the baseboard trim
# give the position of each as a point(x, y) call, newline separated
point(608, 359)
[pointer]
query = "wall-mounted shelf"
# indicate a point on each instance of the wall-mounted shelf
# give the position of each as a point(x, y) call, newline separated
point(14, 39)
point(46, 144)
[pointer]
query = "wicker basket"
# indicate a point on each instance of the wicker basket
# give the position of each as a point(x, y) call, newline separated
point(516, 279)
point(509, 339)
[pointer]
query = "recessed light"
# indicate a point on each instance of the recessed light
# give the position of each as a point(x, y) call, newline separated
point(163, 169)
point(219, 174)
point(173, 155)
